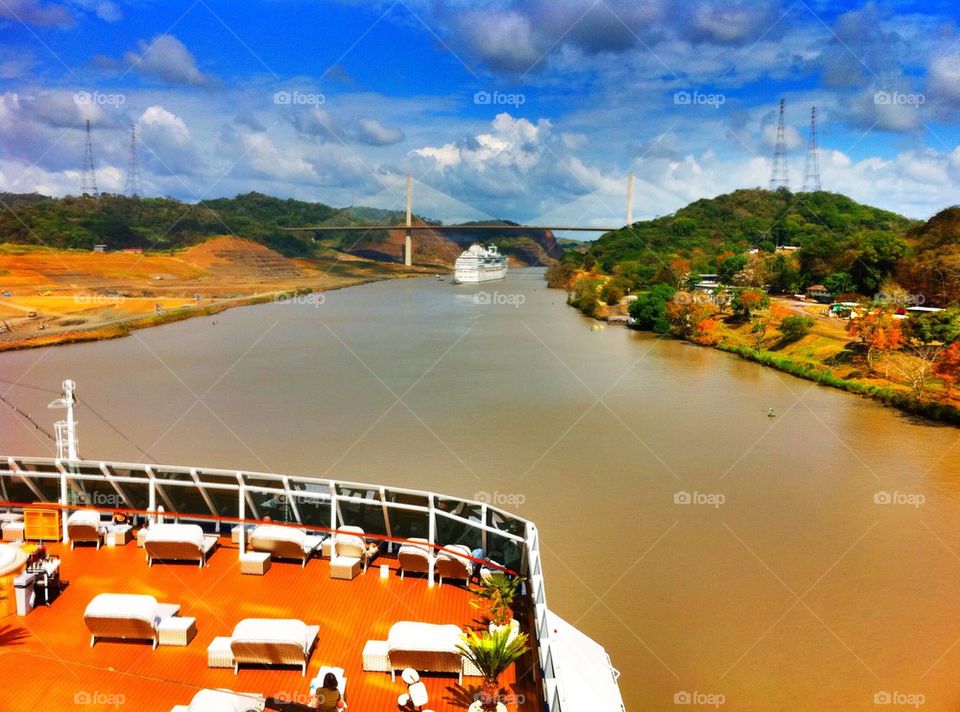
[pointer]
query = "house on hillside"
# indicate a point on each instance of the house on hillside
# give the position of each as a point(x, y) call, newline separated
point(820, 293)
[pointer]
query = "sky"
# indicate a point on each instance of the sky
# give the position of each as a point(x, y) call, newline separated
point(529, 110)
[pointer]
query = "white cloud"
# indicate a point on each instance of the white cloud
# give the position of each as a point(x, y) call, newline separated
point(374, 133)
point(166, 58)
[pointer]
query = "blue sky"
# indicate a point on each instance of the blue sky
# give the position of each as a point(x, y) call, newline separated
point(532, 110)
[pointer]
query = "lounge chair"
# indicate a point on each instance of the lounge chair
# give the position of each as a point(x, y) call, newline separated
point(453, 562)
point(224, 701)
point(178, 542)
point(414, 557)
point(126, 616)
point(349, 542)
point(425, 647)
point(84, 525)
point(285, 542)
point(273, 641)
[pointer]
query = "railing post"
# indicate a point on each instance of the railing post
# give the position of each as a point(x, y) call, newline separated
point(432, 537)
point(242, 512)
point(63, 502)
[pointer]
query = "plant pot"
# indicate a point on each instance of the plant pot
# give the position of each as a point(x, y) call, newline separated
point(476, 707)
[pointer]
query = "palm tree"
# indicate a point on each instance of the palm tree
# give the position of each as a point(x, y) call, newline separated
point(492, 653)
point(497, 594)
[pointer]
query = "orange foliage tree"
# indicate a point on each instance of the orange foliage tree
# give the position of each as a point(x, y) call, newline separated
point(878, 331)
point(947, 367)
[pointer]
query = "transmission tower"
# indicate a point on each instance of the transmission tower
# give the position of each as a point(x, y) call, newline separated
point(811, 171)
point(88, 184)
point(779, 177)
point(133, 187)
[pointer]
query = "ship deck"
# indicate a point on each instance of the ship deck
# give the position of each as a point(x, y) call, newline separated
point(46, 661)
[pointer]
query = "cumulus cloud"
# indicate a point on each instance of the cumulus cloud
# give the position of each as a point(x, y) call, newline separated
point(371, 131)
point(166, 58)
point(37, 12)
point(167, 140)
point(944, 79)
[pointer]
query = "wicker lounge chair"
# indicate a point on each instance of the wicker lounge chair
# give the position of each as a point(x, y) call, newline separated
point(349, 542)
point(414, 557)
point(84, 525)
point(285, 542)
point(425, 647)
point(224, 701)
point(126, 616)
point(453, 563)
point(273, 641)
point(178, 542)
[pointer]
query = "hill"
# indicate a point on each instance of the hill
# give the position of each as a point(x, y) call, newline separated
point(157, 224)
point(741, 237)
point(933, 269)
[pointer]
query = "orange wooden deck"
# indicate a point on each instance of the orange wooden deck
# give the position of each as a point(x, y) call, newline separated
point(46, 662)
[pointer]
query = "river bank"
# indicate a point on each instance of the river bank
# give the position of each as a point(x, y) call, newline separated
point(826, 355)
point(50, 297)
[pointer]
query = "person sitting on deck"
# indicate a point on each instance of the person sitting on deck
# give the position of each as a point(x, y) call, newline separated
point(327, 698)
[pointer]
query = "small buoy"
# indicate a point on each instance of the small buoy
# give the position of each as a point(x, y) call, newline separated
point(771, 413)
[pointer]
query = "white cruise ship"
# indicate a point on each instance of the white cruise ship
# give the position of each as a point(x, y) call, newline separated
point(480, 264)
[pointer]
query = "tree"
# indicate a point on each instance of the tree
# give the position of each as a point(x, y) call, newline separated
point(746, 301)
point(686, 311)
point(759, 331)
point(947, 368)
point(584, 295)
point(877, 331)
point(794, 328)
point(650, 310)
point(730, 266)
point(840, 283)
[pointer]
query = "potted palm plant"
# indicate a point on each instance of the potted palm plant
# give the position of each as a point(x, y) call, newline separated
point(496, 595)
point(492, 652)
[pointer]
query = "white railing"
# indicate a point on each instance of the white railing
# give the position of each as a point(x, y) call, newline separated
point(221, 496)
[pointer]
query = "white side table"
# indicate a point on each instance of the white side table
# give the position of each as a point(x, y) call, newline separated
point(177, 630)
point(255, 563)
point(219, 653)
point(118, 535)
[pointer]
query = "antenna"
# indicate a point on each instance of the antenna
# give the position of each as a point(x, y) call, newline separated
point(88, 185)
point(133, 187)
point(779, 177)
point(629, 199)
point(66, 430)
point(811, 170)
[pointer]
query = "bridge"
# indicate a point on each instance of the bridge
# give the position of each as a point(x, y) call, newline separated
point(409, 227)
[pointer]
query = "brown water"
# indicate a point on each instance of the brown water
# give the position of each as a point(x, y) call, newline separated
point(798, 592)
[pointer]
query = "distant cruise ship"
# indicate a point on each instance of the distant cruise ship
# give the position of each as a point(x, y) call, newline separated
point(480, 264)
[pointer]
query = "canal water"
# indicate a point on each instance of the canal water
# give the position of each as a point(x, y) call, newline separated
point(809, 561)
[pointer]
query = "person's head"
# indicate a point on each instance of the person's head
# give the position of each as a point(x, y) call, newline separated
point(330, 681)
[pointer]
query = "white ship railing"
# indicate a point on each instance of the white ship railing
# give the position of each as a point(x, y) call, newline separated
point(218, 496)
